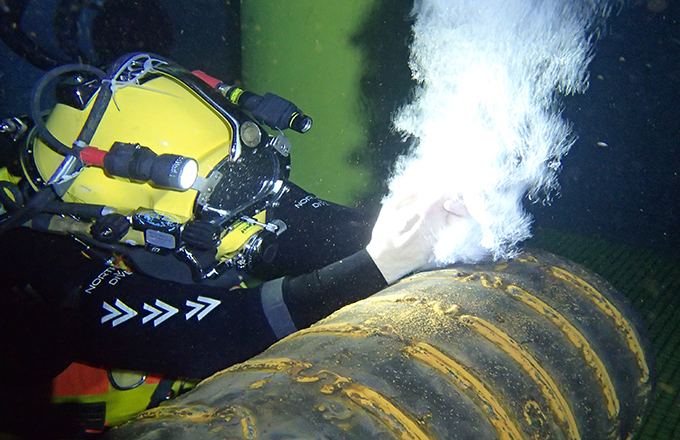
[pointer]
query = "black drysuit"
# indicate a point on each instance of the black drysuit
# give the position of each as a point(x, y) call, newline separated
point(58, 304)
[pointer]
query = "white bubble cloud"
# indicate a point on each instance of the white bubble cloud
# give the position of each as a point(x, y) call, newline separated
point(485, 115)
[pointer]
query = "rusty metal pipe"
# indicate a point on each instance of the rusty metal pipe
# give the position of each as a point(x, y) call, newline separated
point(532, 348)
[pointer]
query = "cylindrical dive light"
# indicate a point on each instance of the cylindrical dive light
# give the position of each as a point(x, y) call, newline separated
point(135, 162)
point(532, 348)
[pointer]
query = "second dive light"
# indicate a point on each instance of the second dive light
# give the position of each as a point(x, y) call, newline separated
point(273, 110)
point(135, 162)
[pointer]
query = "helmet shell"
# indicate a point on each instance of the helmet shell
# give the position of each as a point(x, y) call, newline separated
point(164, 115)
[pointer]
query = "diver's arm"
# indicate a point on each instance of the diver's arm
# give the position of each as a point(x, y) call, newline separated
point(292, 303)
point(135, 322)
point(401, 243)
point(125, 320)
point(317, 234)
point(196, 330)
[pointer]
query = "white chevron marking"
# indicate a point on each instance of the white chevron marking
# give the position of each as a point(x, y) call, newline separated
point(123, 309)
point(154, 313)
point(170, 311)
point(198, 307)
point(112, 312)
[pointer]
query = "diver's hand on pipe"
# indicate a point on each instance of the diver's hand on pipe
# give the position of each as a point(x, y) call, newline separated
point(404, 236)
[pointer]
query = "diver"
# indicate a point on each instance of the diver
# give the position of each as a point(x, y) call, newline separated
point(148, 223)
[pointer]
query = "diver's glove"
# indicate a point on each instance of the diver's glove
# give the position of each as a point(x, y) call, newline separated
point(404, 236)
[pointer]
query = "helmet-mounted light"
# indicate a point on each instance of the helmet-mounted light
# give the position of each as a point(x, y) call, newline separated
point(135, 162)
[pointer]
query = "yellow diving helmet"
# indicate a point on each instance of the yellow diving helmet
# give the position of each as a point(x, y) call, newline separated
point(163, 156)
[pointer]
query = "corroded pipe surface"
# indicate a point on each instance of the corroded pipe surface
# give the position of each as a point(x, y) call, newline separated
point(533, 348)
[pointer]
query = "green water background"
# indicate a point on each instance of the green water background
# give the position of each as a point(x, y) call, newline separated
point(331, 59)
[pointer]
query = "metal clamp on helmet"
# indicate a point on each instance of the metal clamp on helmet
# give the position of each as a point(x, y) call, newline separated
point(14, 127)
point(167, 154)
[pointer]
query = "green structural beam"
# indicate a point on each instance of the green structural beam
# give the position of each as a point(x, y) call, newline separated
point(303, 50)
